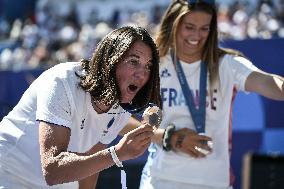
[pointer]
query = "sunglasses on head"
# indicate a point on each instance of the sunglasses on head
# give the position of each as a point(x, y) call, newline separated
point(210, 2)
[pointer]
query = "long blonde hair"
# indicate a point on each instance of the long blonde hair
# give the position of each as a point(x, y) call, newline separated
point(166, 35)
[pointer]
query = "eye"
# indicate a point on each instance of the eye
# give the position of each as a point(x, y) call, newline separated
point(207, 29)
point(133, 62)
point(190, 28)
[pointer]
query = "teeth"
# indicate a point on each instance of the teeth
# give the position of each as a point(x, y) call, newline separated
point(192, 42)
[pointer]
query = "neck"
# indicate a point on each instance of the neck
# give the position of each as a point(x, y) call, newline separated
point(100, 107)
point(188, 58)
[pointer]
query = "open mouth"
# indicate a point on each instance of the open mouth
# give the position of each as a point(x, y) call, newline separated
point(129, 93)
point(132, 88)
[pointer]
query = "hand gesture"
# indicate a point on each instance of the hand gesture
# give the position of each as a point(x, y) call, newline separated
point(134, 143)
point(190, 142)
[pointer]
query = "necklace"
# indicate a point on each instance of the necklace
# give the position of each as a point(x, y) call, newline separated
point(95, 104)
point(116, 106)
point(102, 111)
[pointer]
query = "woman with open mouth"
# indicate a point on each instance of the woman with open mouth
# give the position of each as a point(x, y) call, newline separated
point(57, 135)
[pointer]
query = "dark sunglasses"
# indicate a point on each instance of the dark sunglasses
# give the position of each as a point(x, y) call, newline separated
point(210, 2)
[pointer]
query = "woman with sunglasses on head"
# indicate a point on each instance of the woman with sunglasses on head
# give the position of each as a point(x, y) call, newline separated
point(199, 80)
point(58, 132)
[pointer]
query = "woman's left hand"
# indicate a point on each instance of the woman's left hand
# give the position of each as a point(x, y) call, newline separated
point(190, 142)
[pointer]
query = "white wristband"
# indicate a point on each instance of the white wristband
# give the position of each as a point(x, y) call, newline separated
point(114, 157)
point(118, 164)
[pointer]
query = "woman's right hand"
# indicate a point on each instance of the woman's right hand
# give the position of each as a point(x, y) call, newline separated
point(189, 141)
point(134, 143)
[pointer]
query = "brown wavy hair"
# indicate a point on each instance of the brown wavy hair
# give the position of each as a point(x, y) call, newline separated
point(166, 35)
point(100, 78)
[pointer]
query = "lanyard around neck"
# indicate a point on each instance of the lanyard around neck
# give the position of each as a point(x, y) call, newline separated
point(198, 114)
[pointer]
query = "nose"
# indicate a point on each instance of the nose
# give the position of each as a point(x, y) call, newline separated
point(197, 34)
point(141, 72)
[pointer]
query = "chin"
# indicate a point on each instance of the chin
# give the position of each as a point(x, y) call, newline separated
point(128, 100)
point(125, 100)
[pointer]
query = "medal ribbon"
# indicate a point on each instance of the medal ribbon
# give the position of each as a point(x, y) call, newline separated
point(197, 114)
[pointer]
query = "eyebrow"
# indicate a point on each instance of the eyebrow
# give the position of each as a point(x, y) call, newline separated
point(138, 57)
point(188, 23)
point(133, 55)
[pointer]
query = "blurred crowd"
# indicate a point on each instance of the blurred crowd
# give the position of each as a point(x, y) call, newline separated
point(48, 37)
